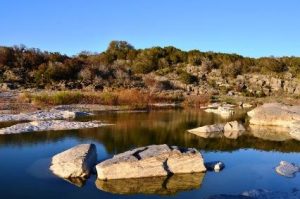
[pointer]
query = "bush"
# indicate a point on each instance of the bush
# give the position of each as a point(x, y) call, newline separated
point(186, 77)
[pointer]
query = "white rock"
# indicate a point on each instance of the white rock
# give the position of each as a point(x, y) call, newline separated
point(42, 115)
point(75, 162)
point(151, 161)
point(214, 166)
point(51, 125)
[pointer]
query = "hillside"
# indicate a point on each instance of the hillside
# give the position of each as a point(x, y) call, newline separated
point(156, 70)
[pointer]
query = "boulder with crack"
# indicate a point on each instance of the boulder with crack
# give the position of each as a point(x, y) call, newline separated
point(52, 125)
point(76, 162)
point(151, 161)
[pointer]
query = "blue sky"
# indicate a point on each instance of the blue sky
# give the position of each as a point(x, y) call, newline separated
point(248, 27)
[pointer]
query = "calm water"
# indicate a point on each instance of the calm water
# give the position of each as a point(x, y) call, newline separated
point(250, 162)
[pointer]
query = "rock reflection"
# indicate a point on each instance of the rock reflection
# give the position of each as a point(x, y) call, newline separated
point(79, 182)
point(157, 185)
point(271, 133)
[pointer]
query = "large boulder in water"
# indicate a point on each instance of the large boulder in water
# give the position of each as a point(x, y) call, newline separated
point(151, 161)
point(76, 162)
point(275, 114)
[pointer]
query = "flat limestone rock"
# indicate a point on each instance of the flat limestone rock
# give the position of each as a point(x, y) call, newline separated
point(287, 169)
point(42, 115)
point(275, 114)
point(209, 131)
point(164, 185)
point(151, 161)
point(76, 162)
point(52, 125)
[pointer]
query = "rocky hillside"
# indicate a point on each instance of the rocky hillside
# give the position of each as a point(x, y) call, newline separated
point(154, 69)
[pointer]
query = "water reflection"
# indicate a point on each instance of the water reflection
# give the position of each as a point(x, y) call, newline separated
point(168, 185)
point(159, 127)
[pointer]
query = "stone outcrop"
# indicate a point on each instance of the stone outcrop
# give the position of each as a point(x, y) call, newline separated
point(76, 162)
point(164, 185)
point(42, 115)
point(151, 161)
point(52, 125)
point(230, 130)
point(278, 115)
point(287, 169)
point(275, 114)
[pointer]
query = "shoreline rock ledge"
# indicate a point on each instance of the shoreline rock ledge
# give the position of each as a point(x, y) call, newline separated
point(151, 161)
point(76, 162)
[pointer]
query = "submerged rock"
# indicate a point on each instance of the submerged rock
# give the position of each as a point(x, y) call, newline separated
point(52, 125)
point(164, 185)
point(42, 115)
point(287, 169)
point(151, 161)
point(76, 162)
point(260, 194)
point(216, 166)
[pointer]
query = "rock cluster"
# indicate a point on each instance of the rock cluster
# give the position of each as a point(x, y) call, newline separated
point(76, 162)
point(151, 161)
point(230, 130)
point(51, 125)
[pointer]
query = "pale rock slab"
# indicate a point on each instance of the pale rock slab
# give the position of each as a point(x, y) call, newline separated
point(76, 162)
point(53, 125)
point(151, 161)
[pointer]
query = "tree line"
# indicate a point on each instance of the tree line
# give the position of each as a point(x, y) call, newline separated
point(121, 62)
